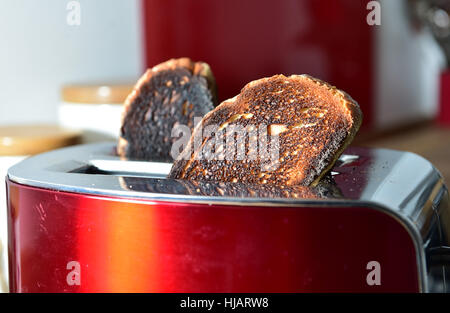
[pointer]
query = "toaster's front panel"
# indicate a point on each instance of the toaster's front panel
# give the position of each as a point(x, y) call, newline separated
point(68, 242)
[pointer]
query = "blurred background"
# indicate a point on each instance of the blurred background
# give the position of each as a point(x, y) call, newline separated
point(72, 63)
point(67, 66)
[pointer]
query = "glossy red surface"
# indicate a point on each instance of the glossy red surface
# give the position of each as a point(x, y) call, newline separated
point(125, 245)
point(247, 40)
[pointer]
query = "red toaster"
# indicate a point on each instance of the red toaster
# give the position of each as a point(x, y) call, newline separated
point(82, 220)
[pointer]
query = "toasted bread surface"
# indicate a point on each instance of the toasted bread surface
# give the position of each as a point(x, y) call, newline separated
point(308, 124)
point(169, 94)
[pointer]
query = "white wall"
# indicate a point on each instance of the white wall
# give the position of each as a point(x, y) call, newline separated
point(39, 52)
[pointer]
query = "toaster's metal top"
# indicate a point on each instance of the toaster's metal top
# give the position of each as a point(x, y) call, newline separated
point(403, 182)
point(395, 179)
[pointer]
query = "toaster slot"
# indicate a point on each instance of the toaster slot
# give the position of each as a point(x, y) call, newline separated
point(158, 169)
point(125, 168)
point(154, 169)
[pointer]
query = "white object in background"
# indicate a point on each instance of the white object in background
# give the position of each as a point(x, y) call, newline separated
point(98, 122)
point(95, 110)
point(5, 163)
point(408, 68)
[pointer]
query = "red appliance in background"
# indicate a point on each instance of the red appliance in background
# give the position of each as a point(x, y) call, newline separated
point(247, 40)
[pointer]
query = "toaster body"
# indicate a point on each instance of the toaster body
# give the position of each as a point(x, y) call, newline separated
point(81, 220)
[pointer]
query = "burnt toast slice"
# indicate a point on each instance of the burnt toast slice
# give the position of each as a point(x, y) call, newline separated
point(169, 94)
point(307, 122)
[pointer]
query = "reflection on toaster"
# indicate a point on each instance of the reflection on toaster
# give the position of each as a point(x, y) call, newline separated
point(326, 188)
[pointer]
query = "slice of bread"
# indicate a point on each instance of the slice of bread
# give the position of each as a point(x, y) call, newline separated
point(169, 94)
point(307, 122)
